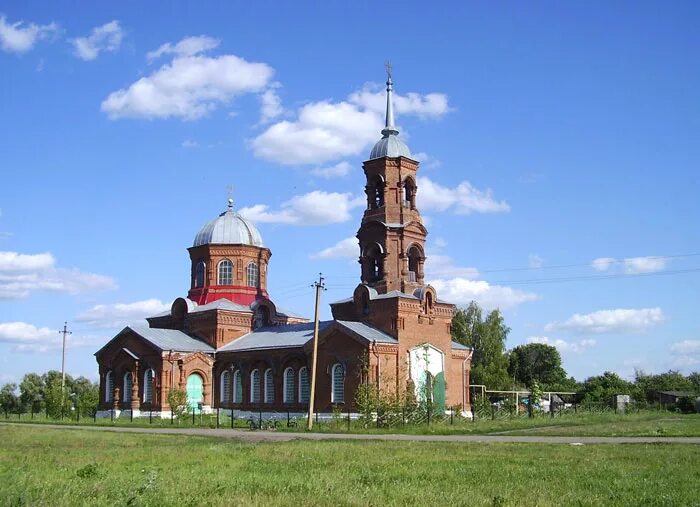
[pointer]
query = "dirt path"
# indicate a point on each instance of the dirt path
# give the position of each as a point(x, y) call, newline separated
point(273, 436)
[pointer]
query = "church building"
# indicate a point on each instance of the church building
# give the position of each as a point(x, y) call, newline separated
point(231, 347)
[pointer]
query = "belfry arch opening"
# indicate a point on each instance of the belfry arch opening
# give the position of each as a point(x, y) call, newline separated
point(376, 192)
point(409, 193)
point(415, 264)
point(374, 263)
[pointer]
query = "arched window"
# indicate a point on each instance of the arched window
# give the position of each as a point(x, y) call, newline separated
point(409, 194)
point(237, 387)
point(225, 388)
point(128, 383)
point(288, 386)
point(304, 389)
point(225, 272)
point(414, 257)
point(252, 275)
point(199, 274)
point(261, 317)
point(269, 386)
point(338, 383)
point(429, 302)
point(148, 376)
point(109, 387)
point(255, 386)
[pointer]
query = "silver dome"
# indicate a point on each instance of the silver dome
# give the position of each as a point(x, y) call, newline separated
point(229, 228)
point(390, 146)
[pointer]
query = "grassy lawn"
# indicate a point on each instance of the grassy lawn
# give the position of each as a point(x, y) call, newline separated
point(646, 423)
point(73, 467)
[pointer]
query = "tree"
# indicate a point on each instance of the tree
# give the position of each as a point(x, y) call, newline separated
point(536, 362)
point(86, 396)
point(57, 402)
point(177, 399)
point(32, 389)
point(603, 387)
point(672, 380)
point(8, 398)
point(488, 339)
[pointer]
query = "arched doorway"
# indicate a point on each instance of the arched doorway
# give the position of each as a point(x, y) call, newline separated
point(195, 392)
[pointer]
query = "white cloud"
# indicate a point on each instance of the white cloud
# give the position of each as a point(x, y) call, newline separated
point(315, 208)
point(603, 263)
point(188, 87)
point(562, 345)
point(190, 143)
point(188, 46)
point(26, 337)
point(535, 261)
point(345, 248)
point(118, 314)
point(463, 198)
point(325, 130)
point(107, 37)
point(611, 321)
point(631, 265)
point(16, 38)
point(270, 105)
point(335, 171)
point(443, 266)
point(426, 161)
point(461, 291)
point(22, 274)
point(635, 265)
point(686, 347)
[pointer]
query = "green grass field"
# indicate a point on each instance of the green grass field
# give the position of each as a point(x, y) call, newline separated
point(646, 423)
point(72, 467)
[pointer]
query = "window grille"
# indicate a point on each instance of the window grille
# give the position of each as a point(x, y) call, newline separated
point(226, 272)
point(128, 384)
point(109, 387)
point(255, 386)
point(304, 389)
point(237, 387)
point(148, 386)
point(288, 394)
point(225, 386)
point(252, 275)
point(269, 386)
point(338, 384)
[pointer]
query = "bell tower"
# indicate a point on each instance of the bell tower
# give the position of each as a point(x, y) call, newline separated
point(392, 234)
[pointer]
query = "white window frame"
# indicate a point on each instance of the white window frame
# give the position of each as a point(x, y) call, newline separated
point(287, 389)
point(148, 386)
point(256, 282)
point(237, 391)
point(126, 393)
point(224, 385)
point(301, 385)
point(337, 397)
point(218, 272)
point(269, 387)
point(255, 393)
point(109, 386)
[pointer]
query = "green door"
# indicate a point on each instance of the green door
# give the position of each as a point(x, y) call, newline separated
point(195, 392)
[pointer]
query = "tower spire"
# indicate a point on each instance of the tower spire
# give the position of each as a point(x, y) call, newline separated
point(389, 127)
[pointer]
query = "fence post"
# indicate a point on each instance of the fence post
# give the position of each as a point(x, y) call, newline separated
point(317, 418)
point(288, 419)
point(150, 415)
point(172, 415)
point(551, 408)
point(452, 413)
point(131, 415)
point(111, 414)
point(32, 411)
point(231, 418)
point(403, 416)
point(428, 414)
point(260, 418)
point(217, 417)
point(493, 412)
point(348, 419)
point(94, 416)
point(192, 415)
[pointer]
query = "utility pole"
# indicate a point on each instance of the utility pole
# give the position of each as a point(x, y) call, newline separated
point(319, 287)
point(64, 332)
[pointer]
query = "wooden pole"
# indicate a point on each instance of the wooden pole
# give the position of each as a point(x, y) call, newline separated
point(64, 332)
point(312, 395)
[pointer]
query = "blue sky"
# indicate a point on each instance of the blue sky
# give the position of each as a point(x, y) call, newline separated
point(558, 146)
